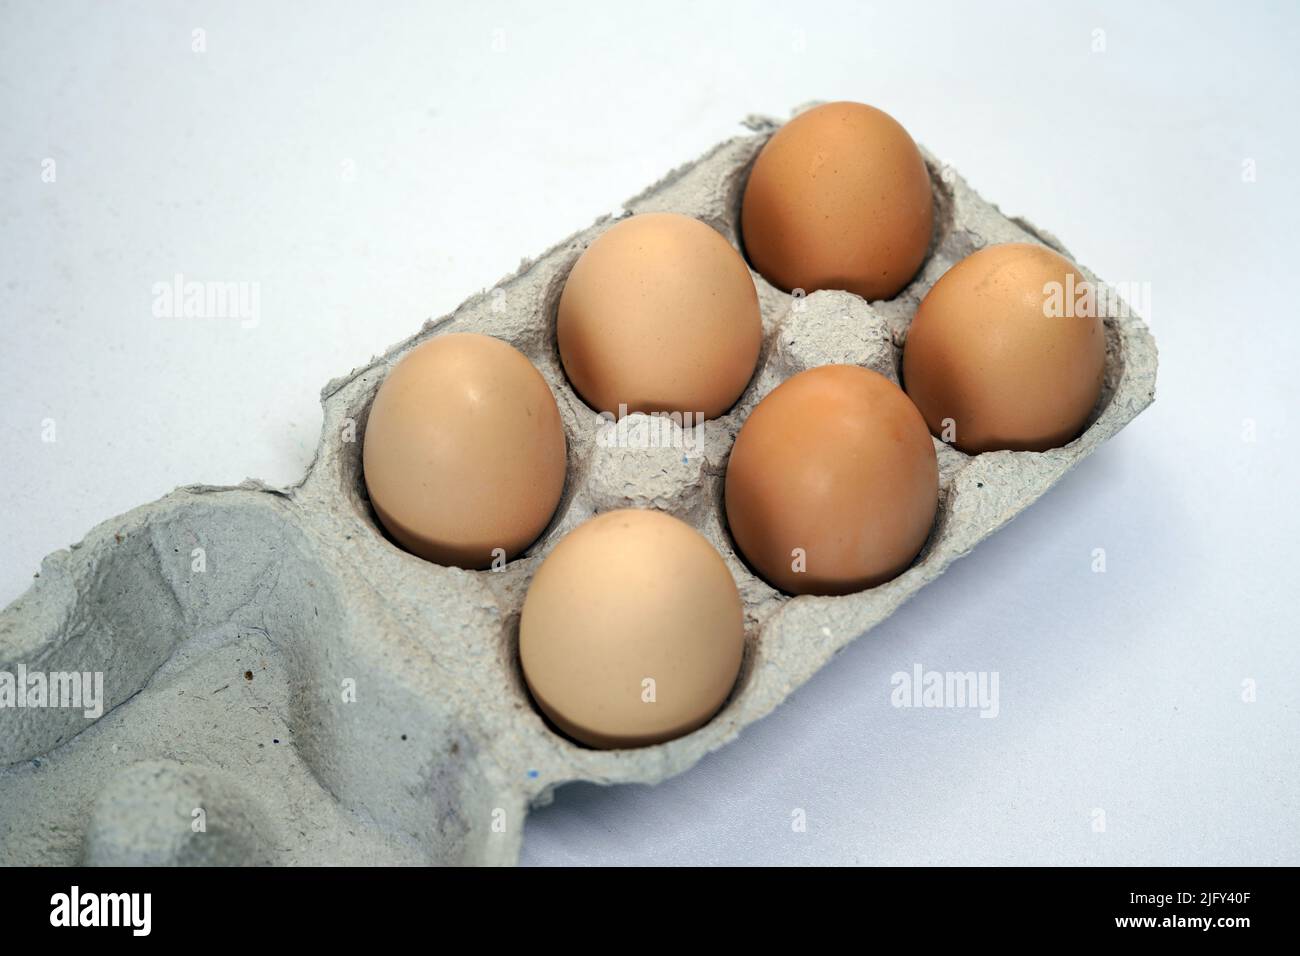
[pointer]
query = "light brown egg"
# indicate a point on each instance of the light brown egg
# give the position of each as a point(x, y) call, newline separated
point(833, 483)
point(632, 631)
point(988, 363)
point(464, 451)
point(660, 314)
point(839, 198)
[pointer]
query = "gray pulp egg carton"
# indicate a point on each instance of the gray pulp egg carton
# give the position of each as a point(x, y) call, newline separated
point(282, 684)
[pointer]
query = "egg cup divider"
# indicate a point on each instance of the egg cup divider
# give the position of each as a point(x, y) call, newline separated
point(270, 658)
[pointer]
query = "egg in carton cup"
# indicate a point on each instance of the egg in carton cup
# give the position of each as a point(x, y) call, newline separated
point(266, 676)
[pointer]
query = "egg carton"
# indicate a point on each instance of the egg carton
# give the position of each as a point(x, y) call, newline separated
point(283, 684)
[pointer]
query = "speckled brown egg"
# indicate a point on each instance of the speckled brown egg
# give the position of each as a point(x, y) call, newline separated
point(464, 453)
point(832, 484)
point(839, 198)
point(659, 314)
point(632, 631)
point(1007, 351)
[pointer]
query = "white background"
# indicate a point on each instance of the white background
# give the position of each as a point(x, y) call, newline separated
point(371, 165)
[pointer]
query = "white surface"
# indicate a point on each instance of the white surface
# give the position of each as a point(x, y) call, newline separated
point(370, 169)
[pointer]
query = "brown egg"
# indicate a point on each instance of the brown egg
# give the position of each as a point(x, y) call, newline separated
point(632, 631)
point(1006, 351)
point(464, 451)
point(660, 314)
point(839, 198)
point(833, 482)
